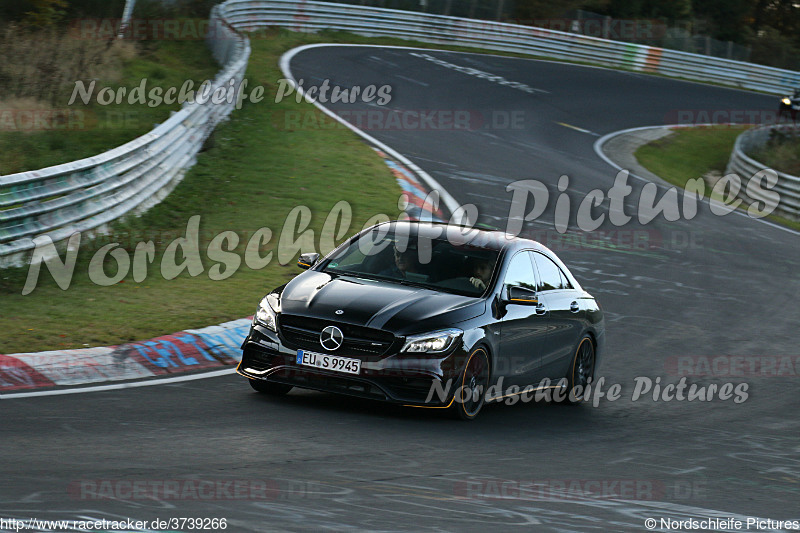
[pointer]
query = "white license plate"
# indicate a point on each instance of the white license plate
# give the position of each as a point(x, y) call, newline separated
point(329, 362)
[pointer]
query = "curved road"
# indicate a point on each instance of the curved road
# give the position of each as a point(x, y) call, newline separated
point(710, 286)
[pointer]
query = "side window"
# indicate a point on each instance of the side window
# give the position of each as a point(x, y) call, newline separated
point(565, 283)
point(550, 276)
point(520, 271)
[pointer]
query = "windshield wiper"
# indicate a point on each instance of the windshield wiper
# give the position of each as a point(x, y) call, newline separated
point(421, 284)
point(378, 277)
point(356, 274)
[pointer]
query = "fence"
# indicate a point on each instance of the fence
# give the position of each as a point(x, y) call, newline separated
point(86, 195)
point(787, 187)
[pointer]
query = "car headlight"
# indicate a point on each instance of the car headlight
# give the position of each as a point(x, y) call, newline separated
point(265, 314)
point(434, 342)
point(786, 101)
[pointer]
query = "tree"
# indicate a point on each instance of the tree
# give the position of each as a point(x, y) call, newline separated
point(727, 20)
point(781, 15)
point(672, 10)
point(542, 9)
point(45, 13)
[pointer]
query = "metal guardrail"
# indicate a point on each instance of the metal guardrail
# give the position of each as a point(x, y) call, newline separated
point(310, 16)
point(86, 195)
point(787, 186)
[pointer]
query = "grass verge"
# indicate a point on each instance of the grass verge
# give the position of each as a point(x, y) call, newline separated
point(689, 153)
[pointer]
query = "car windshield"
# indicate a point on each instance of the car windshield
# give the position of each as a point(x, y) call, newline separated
point(455, 265)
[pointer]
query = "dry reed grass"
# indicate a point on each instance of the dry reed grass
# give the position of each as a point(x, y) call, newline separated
point(45, 64)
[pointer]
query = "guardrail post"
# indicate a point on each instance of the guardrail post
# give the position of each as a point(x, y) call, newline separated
point(499, 16)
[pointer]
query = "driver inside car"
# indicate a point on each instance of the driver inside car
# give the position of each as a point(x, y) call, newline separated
point(481, 273)
point(405, 262)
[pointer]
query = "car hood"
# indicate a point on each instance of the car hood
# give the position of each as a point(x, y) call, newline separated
point(401, 309)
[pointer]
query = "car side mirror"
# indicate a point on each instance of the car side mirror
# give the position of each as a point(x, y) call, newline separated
point(522, 296)
point(307, 261)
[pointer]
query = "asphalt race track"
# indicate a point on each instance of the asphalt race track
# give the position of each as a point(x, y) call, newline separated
point(705, 287)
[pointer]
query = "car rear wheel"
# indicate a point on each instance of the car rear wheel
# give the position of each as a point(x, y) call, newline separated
point(471, 394)
point(581, 371)
point(266, 387)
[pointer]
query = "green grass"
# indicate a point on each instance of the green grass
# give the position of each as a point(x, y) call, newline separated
point(91, 129)
point(255, 172)
point(690, 153)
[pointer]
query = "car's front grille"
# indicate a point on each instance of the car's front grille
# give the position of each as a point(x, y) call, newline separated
point(303, 332)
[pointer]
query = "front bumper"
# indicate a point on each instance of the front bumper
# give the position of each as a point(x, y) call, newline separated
point(407, 379)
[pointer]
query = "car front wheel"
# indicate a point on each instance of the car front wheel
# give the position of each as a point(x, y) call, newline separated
point(471, 394)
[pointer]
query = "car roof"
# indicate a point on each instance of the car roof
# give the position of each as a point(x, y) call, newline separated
point(462, 235)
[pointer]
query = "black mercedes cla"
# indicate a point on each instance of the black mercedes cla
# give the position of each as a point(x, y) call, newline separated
point(428, 315)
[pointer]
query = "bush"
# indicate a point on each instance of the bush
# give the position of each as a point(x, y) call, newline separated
point(148, 9)
point(782, 152)
point(17, 10)
point(45, 13)
point(773, 49)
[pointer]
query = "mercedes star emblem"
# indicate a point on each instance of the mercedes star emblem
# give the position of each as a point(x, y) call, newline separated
point(331, 338)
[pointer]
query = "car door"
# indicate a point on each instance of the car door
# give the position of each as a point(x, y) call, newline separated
point(566, 316)
point(523, 328)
